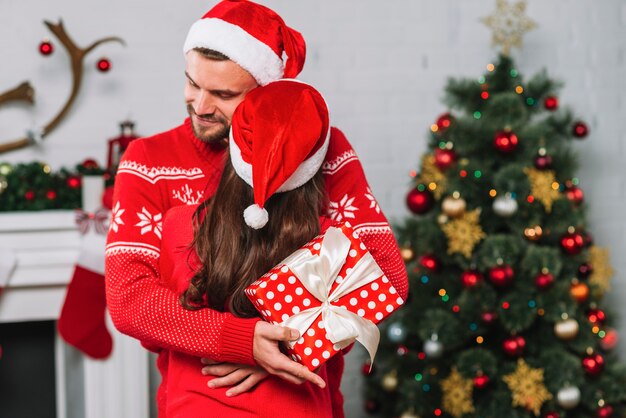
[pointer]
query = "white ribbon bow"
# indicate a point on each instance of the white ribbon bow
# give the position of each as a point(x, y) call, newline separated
point(317, 274)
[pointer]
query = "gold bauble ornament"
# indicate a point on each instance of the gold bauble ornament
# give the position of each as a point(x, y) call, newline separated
point(5, 169)
point(453, 206)
point(533, 233)
point(566, 329)
point(390, 381)
point(409, 414)
point(407, 254)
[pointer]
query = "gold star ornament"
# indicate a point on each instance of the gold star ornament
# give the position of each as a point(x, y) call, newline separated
point(543, 186)
point(431, 174)
point(527, 387)
point(602, 270)
point(508, 24)
point(464, 233)
point(456, 398)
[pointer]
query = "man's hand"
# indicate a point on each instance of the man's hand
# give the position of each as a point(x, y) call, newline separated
point(241, 377)
point(266, 353)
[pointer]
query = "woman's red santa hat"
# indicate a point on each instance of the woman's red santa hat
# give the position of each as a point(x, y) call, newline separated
point(253, 36)
point(278, 141)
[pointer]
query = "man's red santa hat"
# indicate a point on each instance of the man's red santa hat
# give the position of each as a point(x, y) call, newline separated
point(278, 141)
point(253, 36)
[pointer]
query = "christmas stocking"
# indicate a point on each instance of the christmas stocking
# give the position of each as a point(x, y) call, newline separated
point(83, 317)
point(82, 321)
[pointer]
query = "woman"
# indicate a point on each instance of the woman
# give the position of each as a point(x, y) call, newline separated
point(268, 204)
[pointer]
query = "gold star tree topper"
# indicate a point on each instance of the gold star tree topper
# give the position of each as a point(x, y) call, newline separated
point(509, 23)
point(527, 387)
point(464, 233)
point(457, 394)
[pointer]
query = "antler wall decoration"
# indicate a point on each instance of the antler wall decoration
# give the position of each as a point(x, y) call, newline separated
point(25, 92)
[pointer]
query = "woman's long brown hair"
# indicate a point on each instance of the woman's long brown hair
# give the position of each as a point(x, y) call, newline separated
point(233, 255)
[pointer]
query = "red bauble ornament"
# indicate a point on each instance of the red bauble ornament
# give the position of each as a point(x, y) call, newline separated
point(488, 317)
point(73, 182)
point(443, 122)
point(420, 202)
point(481, 382)
point(506, 142)
point(501, 276)
point(103, 65)
point(610, 340)
point(514, 346)
point(471, 278)
point(46, 47)
point(444, 158)
point(51, 195)
point(572, 243)
point(584, 271)
point(107, 198)
point(580, 130)
point(544, 281)
point(551, 414)
point(593, 364)
point(29, 195)
point(543, 162)
point(429, 262)
point(551, 103)
point(367, 369)
point(90, 164)
point(605, 411)
point(596, 316)
point(402, 350)
point(575, 195)
point(372, 406)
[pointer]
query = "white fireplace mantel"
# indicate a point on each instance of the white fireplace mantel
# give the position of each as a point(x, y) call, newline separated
point(45, 246)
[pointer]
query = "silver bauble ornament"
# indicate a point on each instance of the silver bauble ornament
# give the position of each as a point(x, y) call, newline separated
point(566, 329)
point(396, 332)
point(568, 397)
point(505, 206)
point(433, 348)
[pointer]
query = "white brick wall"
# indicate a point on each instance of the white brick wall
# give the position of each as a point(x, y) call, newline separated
point(381, 65)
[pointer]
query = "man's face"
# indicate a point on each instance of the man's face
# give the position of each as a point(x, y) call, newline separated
point(212, 92)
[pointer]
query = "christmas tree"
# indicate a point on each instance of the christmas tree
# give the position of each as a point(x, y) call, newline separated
point(505, 315)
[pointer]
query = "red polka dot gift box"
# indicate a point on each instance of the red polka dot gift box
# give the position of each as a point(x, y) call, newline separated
point(332, 291)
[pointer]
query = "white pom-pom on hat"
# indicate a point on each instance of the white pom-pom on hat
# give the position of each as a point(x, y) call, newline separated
point(255, 216)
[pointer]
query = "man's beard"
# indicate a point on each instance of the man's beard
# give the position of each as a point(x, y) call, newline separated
point(209, 135)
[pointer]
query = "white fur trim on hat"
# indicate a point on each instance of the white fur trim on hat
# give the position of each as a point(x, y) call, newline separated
point(231, 40)
point(305, 171)
point(255, 216)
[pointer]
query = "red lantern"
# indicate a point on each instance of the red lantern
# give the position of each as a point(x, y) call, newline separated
point(46, 47)
point(103, 65)
point(551, 103)
point(420, 201)
point(444, 158)
point(444, 121)
point(501, 276)
point(506, 142)
point(544, 281)
point(575, 195)
point(580, 130)
point(471, 278)
point(429, 262)
point(572, 243)
point(593, 364)
point(514, 346)
point(481, 382)
point(118, 145)
point(605, 411)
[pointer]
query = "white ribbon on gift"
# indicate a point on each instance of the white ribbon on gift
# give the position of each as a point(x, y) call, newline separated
point(317, 274)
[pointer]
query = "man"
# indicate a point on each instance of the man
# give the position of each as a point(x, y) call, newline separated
point(235, 47)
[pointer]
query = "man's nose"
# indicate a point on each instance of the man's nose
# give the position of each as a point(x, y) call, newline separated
point(204, 104)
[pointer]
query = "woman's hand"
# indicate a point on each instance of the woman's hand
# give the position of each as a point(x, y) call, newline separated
point(267, 354)
point(241, 377)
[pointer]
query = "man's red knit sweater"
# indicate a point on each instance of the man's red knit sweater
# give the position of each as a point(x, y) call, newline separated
point(175, 168)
